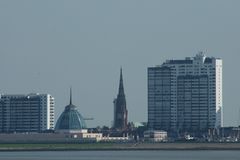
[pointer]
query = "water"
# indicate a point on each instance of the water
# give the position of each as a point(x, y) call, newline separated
point(121, 155)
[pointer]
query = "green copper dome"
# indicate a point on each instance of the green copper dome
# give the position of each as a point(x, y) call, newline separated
point(70, 119)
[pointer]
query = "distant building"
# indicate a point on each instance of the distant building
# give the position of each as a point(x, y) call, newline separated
point(26, 113)
point(155, 136)
point(138, 124)
point(72, 125)
point(81, 137)
point(116, 139)
point(70, 121)
point(120, 108)
point(186, 95)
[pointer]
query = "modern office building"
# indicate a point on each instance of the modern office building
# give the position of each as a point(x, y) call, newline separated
point(26, 113)
point(120, 108)
point(186, 95)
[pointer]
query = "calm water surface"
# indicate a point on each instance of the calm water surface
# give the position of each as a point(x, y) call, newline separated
point(122, 155)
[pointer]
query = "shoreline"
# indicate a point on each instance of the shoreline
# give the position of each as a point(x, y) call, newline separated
point(121, 147)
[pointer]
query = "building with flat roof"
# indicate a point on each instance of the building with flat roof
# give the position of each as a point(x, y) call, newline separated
point(26, 113)
point(186, 95)
point(155, 136)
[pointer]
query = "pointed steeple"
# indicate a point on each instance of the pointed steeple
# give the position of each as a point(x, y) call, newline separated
point(120, 107)
point(71, 96)
point(121, 88)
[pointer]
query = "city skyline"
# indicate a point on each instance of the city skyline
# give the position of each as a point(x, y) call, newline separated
point(48, 46)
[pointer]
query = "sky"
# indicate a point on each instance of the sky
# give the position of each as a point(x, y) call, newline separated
point(48, 46)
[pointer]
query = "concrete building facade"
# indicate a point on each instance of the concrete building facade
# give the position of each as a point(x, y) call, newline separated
point(186, 95)
point(26, 113)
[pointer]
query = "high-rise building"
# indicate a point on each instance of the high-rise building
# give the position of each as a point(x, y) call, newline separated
point(186, 95)
point(120, 107)
point(26, 113)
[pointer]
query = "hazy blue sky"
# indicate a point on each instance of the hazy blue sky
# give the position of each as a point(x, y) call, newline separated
point(49, 45)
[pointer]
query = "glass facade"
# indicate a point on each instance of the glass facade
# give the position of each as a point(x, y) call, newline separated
point(70, 119)
point(192, 102)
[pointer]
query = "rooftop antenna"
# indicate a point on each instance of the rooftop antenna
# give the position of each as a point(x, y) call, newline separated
point(70, 95)
point(238, 125)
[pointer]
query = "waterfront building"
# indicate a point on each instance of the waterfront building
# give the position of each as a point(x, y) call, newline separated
point(26, 113)
point(81, 137)
point(71, 121)
point(120, 108)
point(155, 136)
point(186, 95)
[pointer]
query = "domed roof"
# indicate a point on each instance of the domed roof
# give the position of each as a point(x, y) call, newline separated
point(70, 119)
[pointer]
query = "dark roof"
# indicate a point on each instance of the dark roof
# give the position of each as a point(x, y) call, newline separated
point(208, 60)
point(180, 62)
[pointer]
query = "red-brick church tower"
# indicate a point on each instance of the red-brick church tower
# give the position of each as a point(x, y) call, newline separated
point(120, 108)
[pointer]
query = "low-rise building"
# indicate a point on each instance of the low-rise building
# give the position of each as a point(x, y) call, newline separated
point(155, 136)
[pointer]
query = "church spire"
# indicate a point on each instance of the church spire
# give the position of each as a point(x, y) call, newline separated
point(120, 108)
point(121, 88)
point(70, 95)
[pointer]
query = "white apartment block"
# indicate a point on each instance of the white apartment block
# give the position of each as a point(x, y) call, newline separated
point(26, 113)
point(186, 95)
